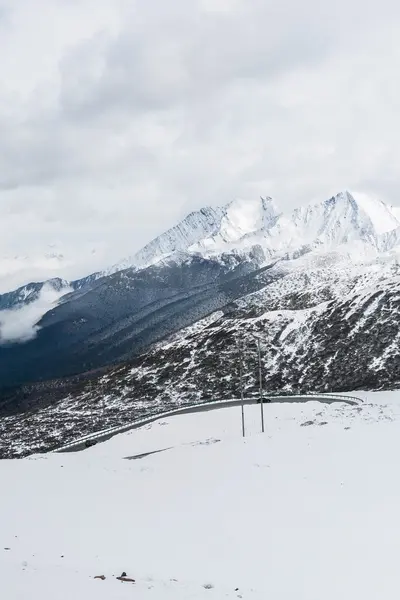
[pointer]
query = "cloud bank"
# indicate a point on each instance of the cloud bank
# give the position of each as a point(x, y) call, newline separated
point(22, 324)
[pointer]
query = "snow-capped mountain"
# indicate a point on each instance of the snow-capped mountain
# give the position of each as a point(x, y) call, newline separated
point(369, 224)
point(319, 283)
point(366, 226)
point(360, 223)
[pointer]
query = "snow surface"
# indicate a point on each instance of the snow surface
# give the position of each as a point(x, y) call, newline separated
point(310, 510)
point(384, 217)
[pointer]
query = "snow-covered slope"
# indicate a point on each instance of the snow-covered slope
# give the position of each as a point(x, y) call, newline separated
point(307, 511)
point(384, 217)
point(192, 229)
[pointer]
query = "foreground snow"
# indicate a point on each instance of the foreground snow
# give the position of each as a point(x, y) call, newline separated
point(310, 510)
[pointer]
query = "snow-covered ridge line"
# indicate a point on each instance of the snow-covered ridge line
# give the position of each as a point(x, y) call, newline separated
point(107, 433)
point(370, 224)
point(359, 226)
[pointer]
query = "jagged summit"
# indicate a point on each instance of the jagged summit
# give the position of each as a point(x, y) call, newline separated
point(337, 220)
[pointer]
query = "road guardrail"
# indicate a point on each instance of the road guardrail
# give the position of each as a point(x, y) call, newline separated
point(105, 434)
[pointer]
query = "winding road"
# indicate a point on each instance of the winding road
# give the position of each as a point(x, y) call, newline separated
point(106, 434)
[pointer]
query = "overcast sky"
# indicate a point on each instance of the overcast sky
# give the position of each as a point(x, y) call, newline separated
point(118, 117)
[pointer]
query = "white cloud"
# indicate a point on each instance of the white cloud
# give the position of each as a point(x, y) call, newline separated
point(118, 117)
point(21, 324)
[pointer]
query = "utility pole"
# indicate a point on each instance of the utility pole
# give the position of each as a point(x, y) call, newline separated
point(241, 385)
point(261, 385)
point(91, 400)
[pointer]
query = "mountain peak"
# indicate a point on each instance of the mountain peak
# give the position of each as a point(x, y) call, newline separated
point(247, 216)
point(343, 198)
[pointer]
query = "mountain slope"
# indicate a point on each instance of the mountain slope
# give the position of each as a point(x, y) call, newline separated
point(193, 228)
point(324, 325)
point(124, 313)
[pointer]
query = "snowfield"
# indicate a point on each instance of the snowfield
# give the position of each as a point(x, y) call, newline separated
point(308, 511)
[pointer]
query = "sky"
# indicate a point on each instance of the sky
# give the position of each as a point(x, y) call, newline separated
point(119, 117)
